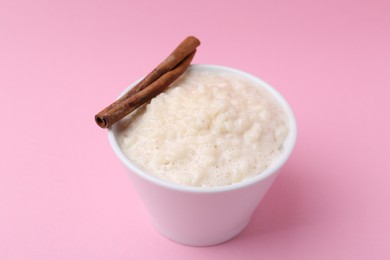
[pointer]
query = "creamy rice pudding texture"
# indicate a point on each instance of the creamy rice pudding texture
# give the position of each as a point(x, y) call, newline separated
point(210, 128)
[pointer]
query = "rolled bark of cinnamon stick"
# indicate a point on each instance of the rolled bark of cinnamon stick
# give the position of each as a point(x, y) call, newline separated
point(152, 85)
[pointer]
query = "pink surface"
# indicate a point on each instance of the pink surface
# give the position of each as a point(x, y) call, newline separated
point(63, 193)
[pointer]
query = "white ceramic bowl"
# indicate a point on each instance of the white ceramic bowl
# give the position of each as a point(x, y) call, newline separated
point(205, 216)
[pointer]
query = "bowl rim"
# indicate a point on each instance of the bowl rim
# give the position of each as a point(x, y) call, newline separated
point(270, 171)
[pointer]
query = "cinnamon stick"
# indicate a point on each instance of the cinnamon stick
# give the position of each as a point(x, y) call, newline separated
point(152, 85)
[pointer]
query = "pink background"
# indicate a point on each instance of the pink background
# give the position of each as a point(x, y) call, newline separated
point(63, 193)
